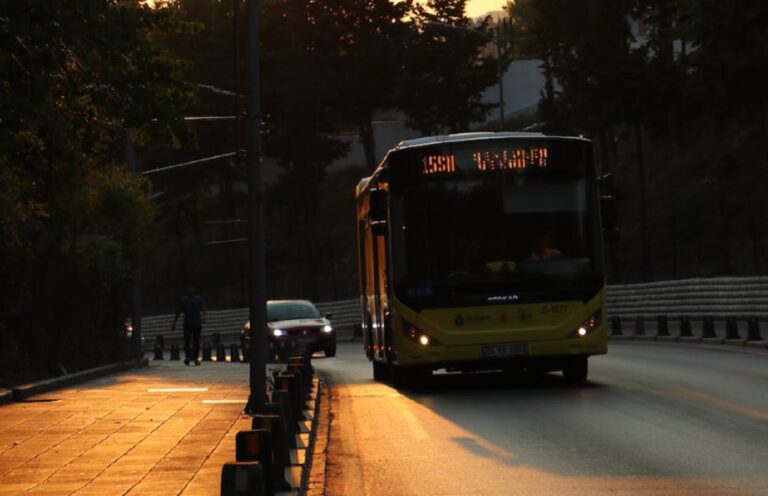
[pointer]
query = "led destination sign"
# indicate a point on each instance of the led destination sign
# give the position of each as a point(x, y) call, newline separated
point(508, 158)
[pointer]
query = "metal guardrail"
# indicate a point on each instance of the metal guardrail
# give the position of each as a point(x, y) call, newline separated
point(228, 323)
point(720, 297)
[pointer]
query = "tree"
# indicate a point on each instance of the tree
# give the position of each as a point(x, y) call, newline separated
point(446, 70)
point(728, 57)
point(78, 76)
point(364, 40)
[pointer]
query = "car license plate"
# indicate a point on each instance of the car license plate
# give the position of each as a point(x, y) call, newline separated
point(505, 350)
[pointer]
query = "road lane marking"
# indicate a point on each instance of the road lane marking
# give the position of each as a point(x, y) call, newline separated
point(177, 390)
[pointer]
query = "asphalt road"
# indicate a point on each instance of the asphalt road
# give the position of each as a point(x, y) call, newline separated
point(654, 418)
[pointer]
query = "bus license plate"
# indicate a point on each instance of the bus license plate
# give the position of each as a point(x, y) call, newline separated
point(505, 350)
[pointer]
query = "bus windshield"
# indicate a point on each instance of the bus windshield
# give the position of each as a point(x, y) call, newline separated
point(493, 221)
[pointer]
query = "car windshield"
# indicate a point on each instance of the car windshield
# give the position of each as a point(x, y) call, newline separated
point(290, 311)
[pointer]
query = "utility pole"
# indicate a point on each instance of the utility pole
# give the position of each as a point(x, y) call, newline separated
point(500, 65)
point(130, 157)
point(257, 300)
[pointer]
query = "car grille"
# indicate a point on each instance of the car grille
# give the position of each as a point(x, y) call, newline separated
point(302, 332)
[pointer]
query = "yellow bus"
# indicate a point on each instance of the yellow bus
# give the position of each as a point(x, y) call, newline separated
point(482, 251)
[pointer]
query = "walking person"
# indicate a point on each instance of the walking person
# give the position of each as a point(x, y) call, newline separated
point(193, 307)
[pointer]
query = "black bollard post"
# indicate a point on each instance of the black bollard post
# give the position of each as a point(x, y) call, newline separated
point(292, 384)
point(304, 375)
point(159, 342)
point(616, 326)
point(283, 406)
point(753, 329)
point(731, 328)
point(221, 353)
point(175, 352)
point(158, 352)
point(708, 327)
point(639, 326)
point(242, 479)
point(302, 360)
point(662, 326)
point(256, 446)
point(280, 447)
point(207, 352)
point(234, 353)
point(685, 327)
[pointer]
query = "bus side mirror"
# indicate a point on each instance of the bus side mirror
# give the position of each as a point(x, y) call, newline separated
point(378, 212)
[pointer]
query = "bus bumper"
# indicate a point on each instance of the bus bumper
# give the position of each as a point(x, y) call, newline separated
point(549, 352)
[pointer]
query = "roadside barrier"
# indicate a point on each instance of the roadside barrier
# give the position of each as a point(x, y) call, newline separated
point(662, 326)
point(158, 352)
point(242, 479)
point(753, 329)
point(639, 326)
point(708, 328)
point(731, 328)
point(685, 327)
point(221, 353)
point(304, 374)
point(616, 326)
point(256, 446)
point(282, 397)
point(292, 384)
point(264, 453)
point(175, 352)
point(207, 352)
point(234, 353)
point(280, 446)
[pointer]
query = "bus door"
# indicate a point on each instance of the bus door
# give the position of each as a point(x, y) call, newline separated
point(377, 325)
point(379, 274)
point(364, 267)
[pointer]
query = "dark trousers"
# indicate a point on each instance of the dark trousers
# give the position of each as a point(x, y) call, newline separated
point(192, 342)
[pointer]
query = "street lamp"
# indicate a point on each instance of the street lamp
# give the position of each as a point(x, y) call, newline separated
point(497, 41)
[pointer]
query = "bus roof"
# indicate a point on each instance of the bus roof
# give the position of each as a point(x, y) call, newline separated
point(459, 138)
point(464, 137)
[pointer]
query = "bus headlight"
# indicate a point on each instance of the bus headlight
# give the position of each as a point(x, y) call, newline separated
point(327, 329)
point(588, 326)
point(278, 333)
point(417, 336)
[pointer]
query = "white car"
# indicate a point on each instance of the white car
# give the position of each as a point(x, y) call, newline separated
point(295, 326)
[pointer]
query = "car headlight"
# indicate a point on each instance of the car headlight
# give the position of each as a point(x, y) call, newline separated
point(328, 328)
point(278, 333)
point(588, 325)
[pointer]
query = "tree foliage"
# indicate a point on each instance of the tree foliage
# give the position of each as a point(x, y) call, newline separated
point(446, 69)
point(78, 76)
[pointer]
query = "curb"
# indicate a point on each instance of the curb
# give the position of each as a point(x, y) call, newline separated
point(725, 343)
point(309, 452)
point(6, 396)
point(20, 393)
point(318, 460)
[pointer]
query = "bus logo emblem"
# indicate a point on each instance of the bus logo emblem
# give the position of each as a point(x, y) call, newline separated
point(459, 320)
point(523, 315)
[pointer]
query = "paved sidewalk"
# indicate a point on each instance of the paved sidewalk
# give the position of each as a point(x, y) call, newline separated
point(162, 430)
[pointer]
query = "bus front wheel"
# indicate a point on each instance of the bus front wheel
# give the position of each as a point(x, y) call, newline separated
point(575, 370)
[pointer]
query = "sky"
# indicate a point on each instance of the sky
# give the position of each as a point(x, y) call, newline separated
point(476, 8)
